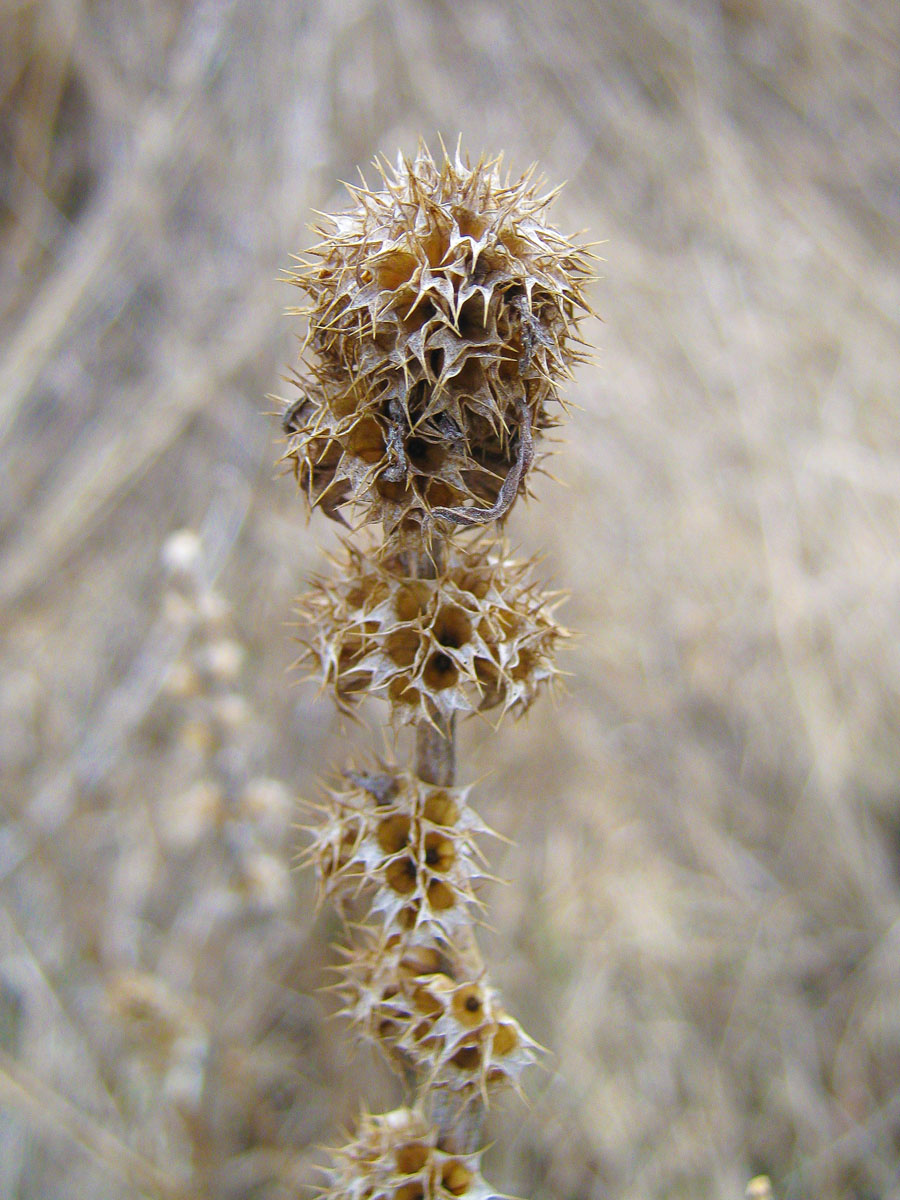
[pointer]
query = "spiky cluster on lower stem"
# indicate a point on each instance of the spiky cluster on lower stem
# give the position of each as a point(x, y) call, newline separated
point(397, 1156)
point(443, 310)
point(406, 847)
point(477, 636)
point(428, 1013)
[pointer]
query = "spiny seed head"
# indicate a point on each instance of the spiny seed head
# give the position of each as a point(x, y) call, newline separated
point(407, 846)
point(453, 1030)
point(443, 311)
point(396, 1156)
point(479, 636)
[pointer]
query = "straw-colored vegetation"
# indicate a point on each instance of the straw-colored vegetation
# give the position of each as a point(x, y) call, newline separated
point(443, 313)
point(704, 920)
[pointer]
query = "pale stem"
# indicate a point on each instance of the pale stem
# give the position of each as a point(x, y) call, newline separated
point(436, 751)
point(459, 1120)
point(435, 739)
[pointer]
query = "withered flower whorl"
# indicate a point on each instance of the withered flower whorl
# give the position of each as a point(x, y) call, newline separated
point(454, 1030)
point(443, 311)
point(407, 847)
point(397, 1156)
point(481, 635)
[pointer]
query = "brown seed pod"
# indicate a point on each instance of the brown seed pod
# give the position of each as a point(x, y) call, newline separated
point(453, 1030)
point(408, 847)
point(443, 311)
point(481, 635)
point(396, 1156)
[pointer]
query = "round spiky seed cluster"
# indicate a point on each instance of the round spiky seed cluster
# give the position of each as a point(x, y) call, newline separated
point(455, 1031)
point(479, 636)
point(443, 311)
point(396, 1156)
point(408, 846)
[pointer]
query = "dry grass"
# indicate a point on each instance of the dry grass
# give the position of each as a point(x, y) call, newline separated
point(705, 915)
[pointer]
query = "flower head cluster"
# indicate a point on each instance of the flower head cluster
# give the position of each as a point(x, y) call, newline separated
point(452, 1029)
point(478, 636)
point(408, 846)
point(397, 1156)
point(443, 311)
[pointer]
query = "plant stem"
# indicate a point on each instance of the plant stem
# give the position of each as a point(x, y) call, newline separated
point(435, 739)
point(436, 751)
point(459, 1119)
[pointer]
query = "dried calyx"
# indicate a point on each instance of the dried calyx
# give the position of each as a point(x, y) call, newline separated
point(407, 848)
point(426, 1010)
point(443, 312)
point(478, 636)
point(398, 1156)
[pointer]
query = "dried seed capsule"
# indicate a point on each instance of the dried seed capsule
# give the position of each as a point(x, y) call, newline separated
point(479, 636)
point(453, 1030)
point(407, 846)
point(443, 311)
point(397, 1156)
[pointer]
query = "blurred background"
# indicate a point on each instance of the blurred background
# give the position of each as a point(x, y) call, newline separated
point(702, 922)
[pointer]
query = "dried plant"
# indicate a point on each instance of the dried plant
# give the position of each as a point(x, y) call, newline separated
point(443, 312)
point(205, 897)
